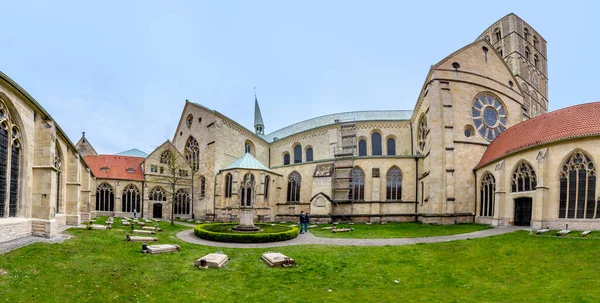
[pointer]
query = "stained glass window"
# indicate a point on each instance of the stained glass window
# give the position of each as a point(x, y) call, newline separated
point(486, 195)
point(489, 116)
point(293, 188)
point(394, 184)
point(357, 184)
point(578, 188)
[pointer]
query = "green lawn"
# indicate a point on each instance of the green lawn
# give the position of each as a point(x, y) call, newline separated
point(397, 230)
point(98, 266)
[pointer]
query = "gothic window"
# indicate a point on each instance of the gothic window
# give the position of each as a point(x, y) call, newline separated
point(497, 35)
point(182, 202)
point(192, 153)
point(489, 116)
point(228, 185)
point(10, 156)
point(267, 181)
point(3, 166)
point(293, 187)
point(357, 184)
point(166, 157)
point(246, 190)
point(376, 144)
point(523, 178)
point(394, 184)
point(105, 198)
point(157, 194)
point(286, 159)
point(362, 148)
point(58, 166)
point(527, 54)
point(422, 134)
point(391, 147)
point(202, 187)
point(130, 199)
point(578, 188)
point(189, 120)
point(486, 195)
point(309, 154)
point(298, 154)
point(14, 178)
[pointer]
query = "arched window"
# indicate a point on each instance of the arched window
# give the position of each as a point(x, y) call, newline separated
point(309, 154)
point(391, 147)
point(362, 148)
point(228, 185)
point(535, 42)
point(526, 31)
point(249, 147)
point(394, 184)
point(536, 61)
point(497, 35)
point(182, 202)
point(286, 159)
point(131, 199)
point(527, 53)
point(105, 198)
point(298, 154)
point(267, 181)
point(192, 153)
point(14, 178)
point(357, 185)
point(293, 188)
point(202, 187)
point(58, 166)
point(10, 155)
point(376, 144)
point(578, 188)
point(422, 134)
point(166, 157)
point(486, 195)
point(246, 190)
point(157, 194)
point(523, 178)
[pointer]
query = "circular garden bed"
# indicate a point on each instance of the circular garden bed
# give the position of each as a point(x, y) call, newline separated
point(222, 232)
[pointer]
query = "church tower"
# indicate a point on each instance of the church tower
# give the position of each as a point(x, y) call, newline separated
point(524, 50)
point(259, 127)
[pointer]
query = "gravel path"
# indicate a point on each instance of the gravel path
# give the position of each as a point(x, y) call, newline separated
point(18, 243)
point(303, 239)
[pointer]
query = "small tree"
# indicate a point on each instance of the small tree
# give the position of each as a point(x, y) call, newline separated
point(177, 174)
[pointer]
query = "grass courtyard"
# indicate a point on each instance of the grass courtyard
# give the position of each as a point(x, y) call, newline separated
point(99, 266)
point(397, 230)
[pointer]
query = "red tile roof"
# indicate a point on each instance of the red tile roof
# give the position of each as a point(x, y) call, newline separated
point(117, 167)
point(570, 122)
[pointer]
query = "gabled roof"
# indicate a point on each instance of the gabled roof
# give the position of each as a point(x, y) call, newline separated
point(133, 153)
point(247, 161)
point(115, 167)
point(567, 123)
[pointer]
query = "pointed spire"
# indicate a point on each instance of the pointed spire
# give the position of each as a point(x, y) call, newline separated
point(259, 127)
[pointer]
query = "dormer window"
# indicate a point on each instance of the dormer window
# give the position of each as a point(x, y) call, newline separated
point(130, 170)
point(104, 168)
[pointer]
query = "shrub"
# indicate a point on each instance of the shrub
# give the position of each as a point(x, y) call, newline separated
point(221, 232)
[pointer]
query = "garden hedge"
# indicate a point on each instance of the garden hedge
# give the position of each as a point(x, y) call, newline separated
point(224, 234)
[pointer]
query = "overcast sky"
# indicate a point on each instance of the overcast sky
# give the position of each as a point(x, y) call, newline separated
point(121, 70)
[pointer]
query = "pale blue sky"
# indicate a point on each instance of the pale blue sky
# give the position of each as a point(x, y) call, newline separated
point(121, 70)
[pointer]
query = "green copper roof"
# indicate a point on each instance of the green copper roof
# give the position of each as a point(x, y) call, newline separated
point(247, 161)
point(133, 153)
point(257, 115)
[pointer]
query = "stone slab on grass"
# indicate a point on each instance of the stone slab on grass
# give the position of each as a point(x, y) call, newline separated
point(585, 233)
point(213, 260)
point(100, 227)
point(125, 223)
point(160, 248)
point(129, 238)
point(141, 231)
point(154, 228)
point(277, 259)
point(541, 231)
point(563, 232)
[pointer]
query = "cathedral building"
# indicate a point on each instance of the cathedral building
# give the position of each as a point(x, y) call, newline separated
point(478, 146)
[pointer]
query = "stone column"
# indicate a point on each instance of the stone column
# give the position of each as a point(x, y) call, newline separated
point(541, 191)
point(502, 207)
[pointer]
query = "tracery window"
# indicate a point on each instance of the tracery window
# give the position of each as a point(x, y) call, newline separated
point(391, 147)
point(486, 195)
point(357, 184)
point(247, 190)
point(267, 181)
point(130, 199)
point(157, 194)
point(422, 134)
point(166, 157)
point(362, 148)
point(298, 154)
point(10, 156)
point(523, 178)
point(182, 202)
point(394, 184)
point(286, 159)
point(578, 188)
point(228, 185)
point(309, 154)
point(192, 153)
point(105, 198)
point(190, 120)
point(58, 166)
point(488, 115)
point(293, 188)
point(376, 144)
point(202, 187)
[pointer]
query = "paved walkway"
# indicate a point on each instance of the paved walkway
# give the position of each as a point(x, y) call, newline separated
point(303, 239)
point(21, 242)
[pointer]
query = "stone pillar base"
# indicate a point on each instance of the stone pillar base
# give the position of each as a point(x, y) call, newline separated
point(44, 228)
point(73, 219)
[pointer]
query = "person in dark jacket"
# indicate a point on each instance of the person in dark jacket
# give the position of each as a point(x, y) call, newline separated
point(302, 222)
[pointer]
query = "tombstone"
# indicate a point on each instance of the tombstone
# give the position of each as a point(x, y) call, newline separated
point(100, 227)
point(313, 226)
point(278, 259)
point(141, 231)
point(563, 232)
point(160, 248)
point(148, 220)
point(129, 238)
point(294, 225)
point(125, 223)
point(326, 227)
point(151, 228)
point(214, 260)
point(541, 231)
point(189, 220)
point(369, 223)
point(341, 230)
point(585, 233)
point(198, 222)
point(141, 223)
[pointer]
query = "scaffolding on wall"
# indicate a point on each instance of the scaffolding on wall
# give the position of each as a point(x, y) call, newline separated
point(343, 164)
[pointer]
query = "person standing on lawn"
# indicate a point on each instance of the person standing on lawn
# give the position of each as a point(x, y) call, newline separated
point(302, 222)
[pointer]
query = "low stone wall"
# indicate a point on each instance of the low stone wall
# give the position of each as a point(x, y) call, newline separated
point(573, 224)
point(14, 228)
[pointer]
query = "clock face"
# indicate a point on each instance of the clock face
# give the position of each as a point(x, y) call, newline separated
point(489, 116)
